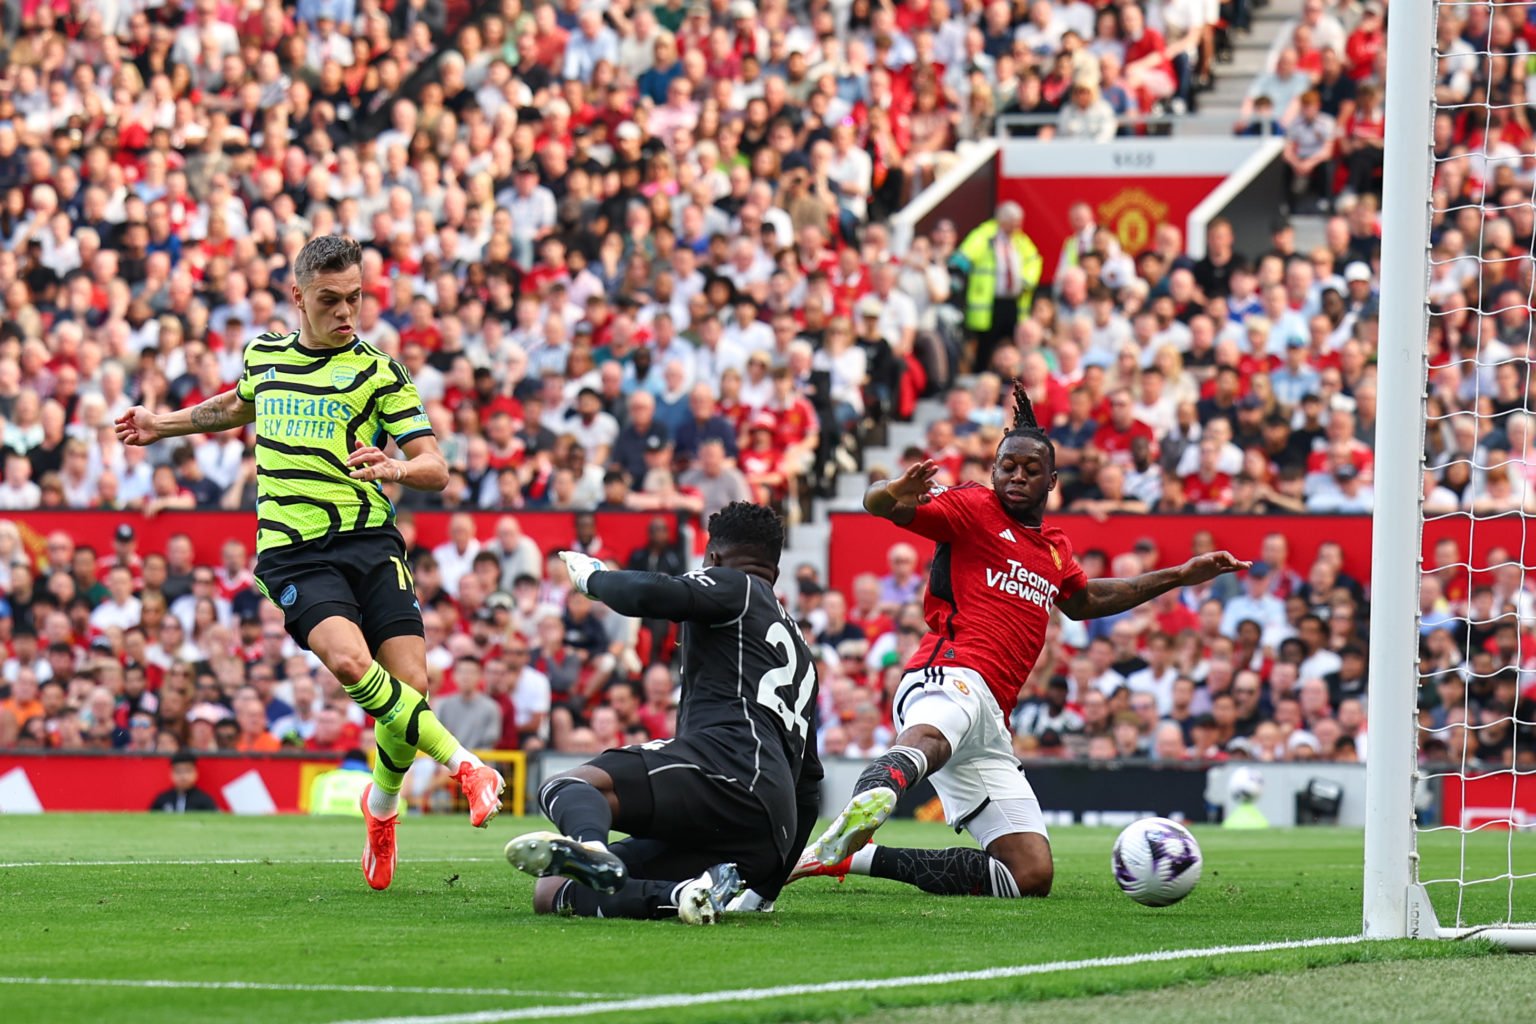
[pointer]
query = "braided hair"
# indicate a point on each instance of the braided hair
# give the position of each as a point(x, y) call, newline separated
point(1024, 424)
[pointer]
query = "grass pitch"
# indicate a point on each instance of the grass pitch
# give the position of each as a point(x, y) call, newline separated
point(139, 918)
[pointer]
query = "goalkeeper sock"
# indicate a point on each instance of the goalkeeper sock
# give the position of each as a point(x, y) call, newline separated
point(897, 769)
point(391, 761)
point(577, 809)
point(959, 871)
point(639, 899)
point(405, 716)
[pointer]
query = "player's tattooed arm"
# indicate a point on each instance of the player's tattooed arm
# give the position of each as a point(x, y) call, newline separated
point(897, 499)
point(140, 426)
point(221, 412)
point(1112, 596)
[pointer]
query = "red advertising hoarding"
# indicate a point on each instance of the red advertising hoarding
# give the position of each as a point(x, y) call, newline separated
point(1487, 801)
point(86, 782)
point(621, 532)
point(35, 782)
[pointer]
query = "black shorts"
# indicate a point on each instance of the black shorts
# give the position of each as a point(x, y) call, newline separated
point(669, 796)
point(360, 575)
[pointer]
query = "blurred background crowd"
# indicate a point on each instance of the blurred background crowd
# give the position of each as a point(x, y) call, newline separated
point(637, 257)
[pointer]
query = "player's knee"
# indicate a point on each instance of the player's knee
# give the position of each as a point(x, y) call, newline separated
point(544, 892)
point(930, 740)
point(349, 666)
point(1032, 871)
point(1033, 879)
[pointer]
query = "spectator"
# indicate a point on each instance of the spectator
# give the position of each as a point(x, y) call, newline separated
point(1207, 488)
point(516, 553)
point(715, 479)
point(1309, 152)
point(902, 583)
point(1086, 115)
point(1362, 139)
point(251, 722)
point(641, 430)
point(455, 556)
point(705, 425)
point(1116, 437)
point(121, 609)
point(332, 733)
point(1002, 268)
point(1349, 493)
point(17, 491)
point(475, 717)
point(184, 794)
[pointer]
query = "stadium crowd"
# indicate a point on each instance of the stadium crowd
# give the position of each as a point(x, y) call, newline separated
point(637, 257)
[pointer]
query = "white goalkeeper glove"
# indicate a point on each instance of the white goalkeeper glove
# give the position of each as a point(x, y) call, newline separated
point(580, 567)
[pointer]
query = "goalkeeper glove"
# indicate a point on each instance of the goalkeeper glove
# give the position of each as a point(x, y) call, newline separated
point(580, 567)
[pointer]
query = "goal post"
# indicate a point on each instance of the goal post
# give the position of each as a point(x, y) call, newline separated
point(1397, 525)
point(1396, 896)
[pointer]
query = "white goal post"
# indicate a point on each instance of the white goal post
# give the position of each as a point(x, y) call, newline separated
point(1396, 892)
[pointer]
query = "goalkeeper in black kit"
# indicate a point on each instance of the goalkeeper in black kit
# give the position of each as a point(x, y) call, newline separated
point(731, 801)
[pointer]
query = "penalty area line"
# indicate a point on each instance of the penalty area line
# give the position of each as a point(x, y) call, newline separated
point(216, 861)
point(262, 986)
point(664, 1002)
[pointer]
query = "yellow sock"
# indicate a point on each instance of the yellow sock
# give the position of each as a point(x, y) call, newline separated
point(402, 720)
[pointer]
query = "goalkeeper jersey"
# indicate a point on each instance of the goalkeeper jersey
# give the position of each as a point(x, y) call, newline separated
point(312, 407)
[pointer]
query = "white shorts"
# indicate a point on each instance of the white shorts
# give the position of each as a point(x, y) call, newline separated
point(982, 786)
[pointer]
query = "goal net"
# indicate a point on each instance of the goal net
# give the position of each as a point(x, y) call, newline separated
point(1451, 769)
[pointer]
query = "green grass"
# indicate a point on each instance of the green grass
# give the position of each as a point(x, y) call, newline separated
point(458, 916)
point(1349, 992)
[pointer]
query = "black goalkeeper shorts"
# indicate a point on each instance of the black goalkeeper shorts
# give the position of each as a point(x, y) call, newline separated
point(670, 795)
point(360, 575)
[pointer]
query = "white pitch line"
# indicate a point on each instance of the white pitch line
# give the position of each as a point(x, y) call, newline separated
point(152, 862)
point(664, 1002)
point(259, 986)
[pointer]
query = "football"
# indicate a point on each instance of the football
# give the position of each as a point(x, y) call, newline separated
point(1157, 861)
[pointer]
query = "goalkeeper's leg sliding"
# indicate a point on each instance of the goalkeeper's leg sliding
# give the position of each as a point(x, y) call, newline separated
point(580, 875)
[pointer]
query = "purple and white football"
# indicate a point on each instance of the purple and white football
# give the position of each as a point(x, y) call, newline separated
point(1156, 861)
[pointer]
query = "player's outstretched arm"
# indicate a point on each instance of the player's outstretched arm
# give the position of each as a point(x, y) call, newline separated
point(694, 597)
point(422, 469)
point(1112, 596)
point(138, 426)
point(897, 499)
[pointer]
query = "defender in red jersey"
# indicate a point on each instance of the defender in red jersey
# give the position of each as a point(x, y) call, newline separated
point(997, 573)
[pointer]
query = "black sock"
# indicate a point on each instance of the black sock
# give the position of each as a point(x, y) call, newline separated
point(898, 769)
point(959, 871)
point(577, 809)
point(640, 899)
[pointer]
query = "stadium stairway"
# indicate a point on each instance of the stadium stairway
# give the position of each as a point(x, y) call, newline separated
point(1218, 109)
point(809, 540)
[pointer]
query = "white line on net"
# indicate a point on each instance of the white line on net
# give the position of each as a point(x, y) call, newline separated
point(1484, 775)
point(1508, 876)
point(1502, 823)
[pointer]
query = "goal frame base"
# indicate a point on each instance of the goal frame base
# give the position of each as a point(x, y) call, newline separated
point(1422, 923)
point(1517, 938)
